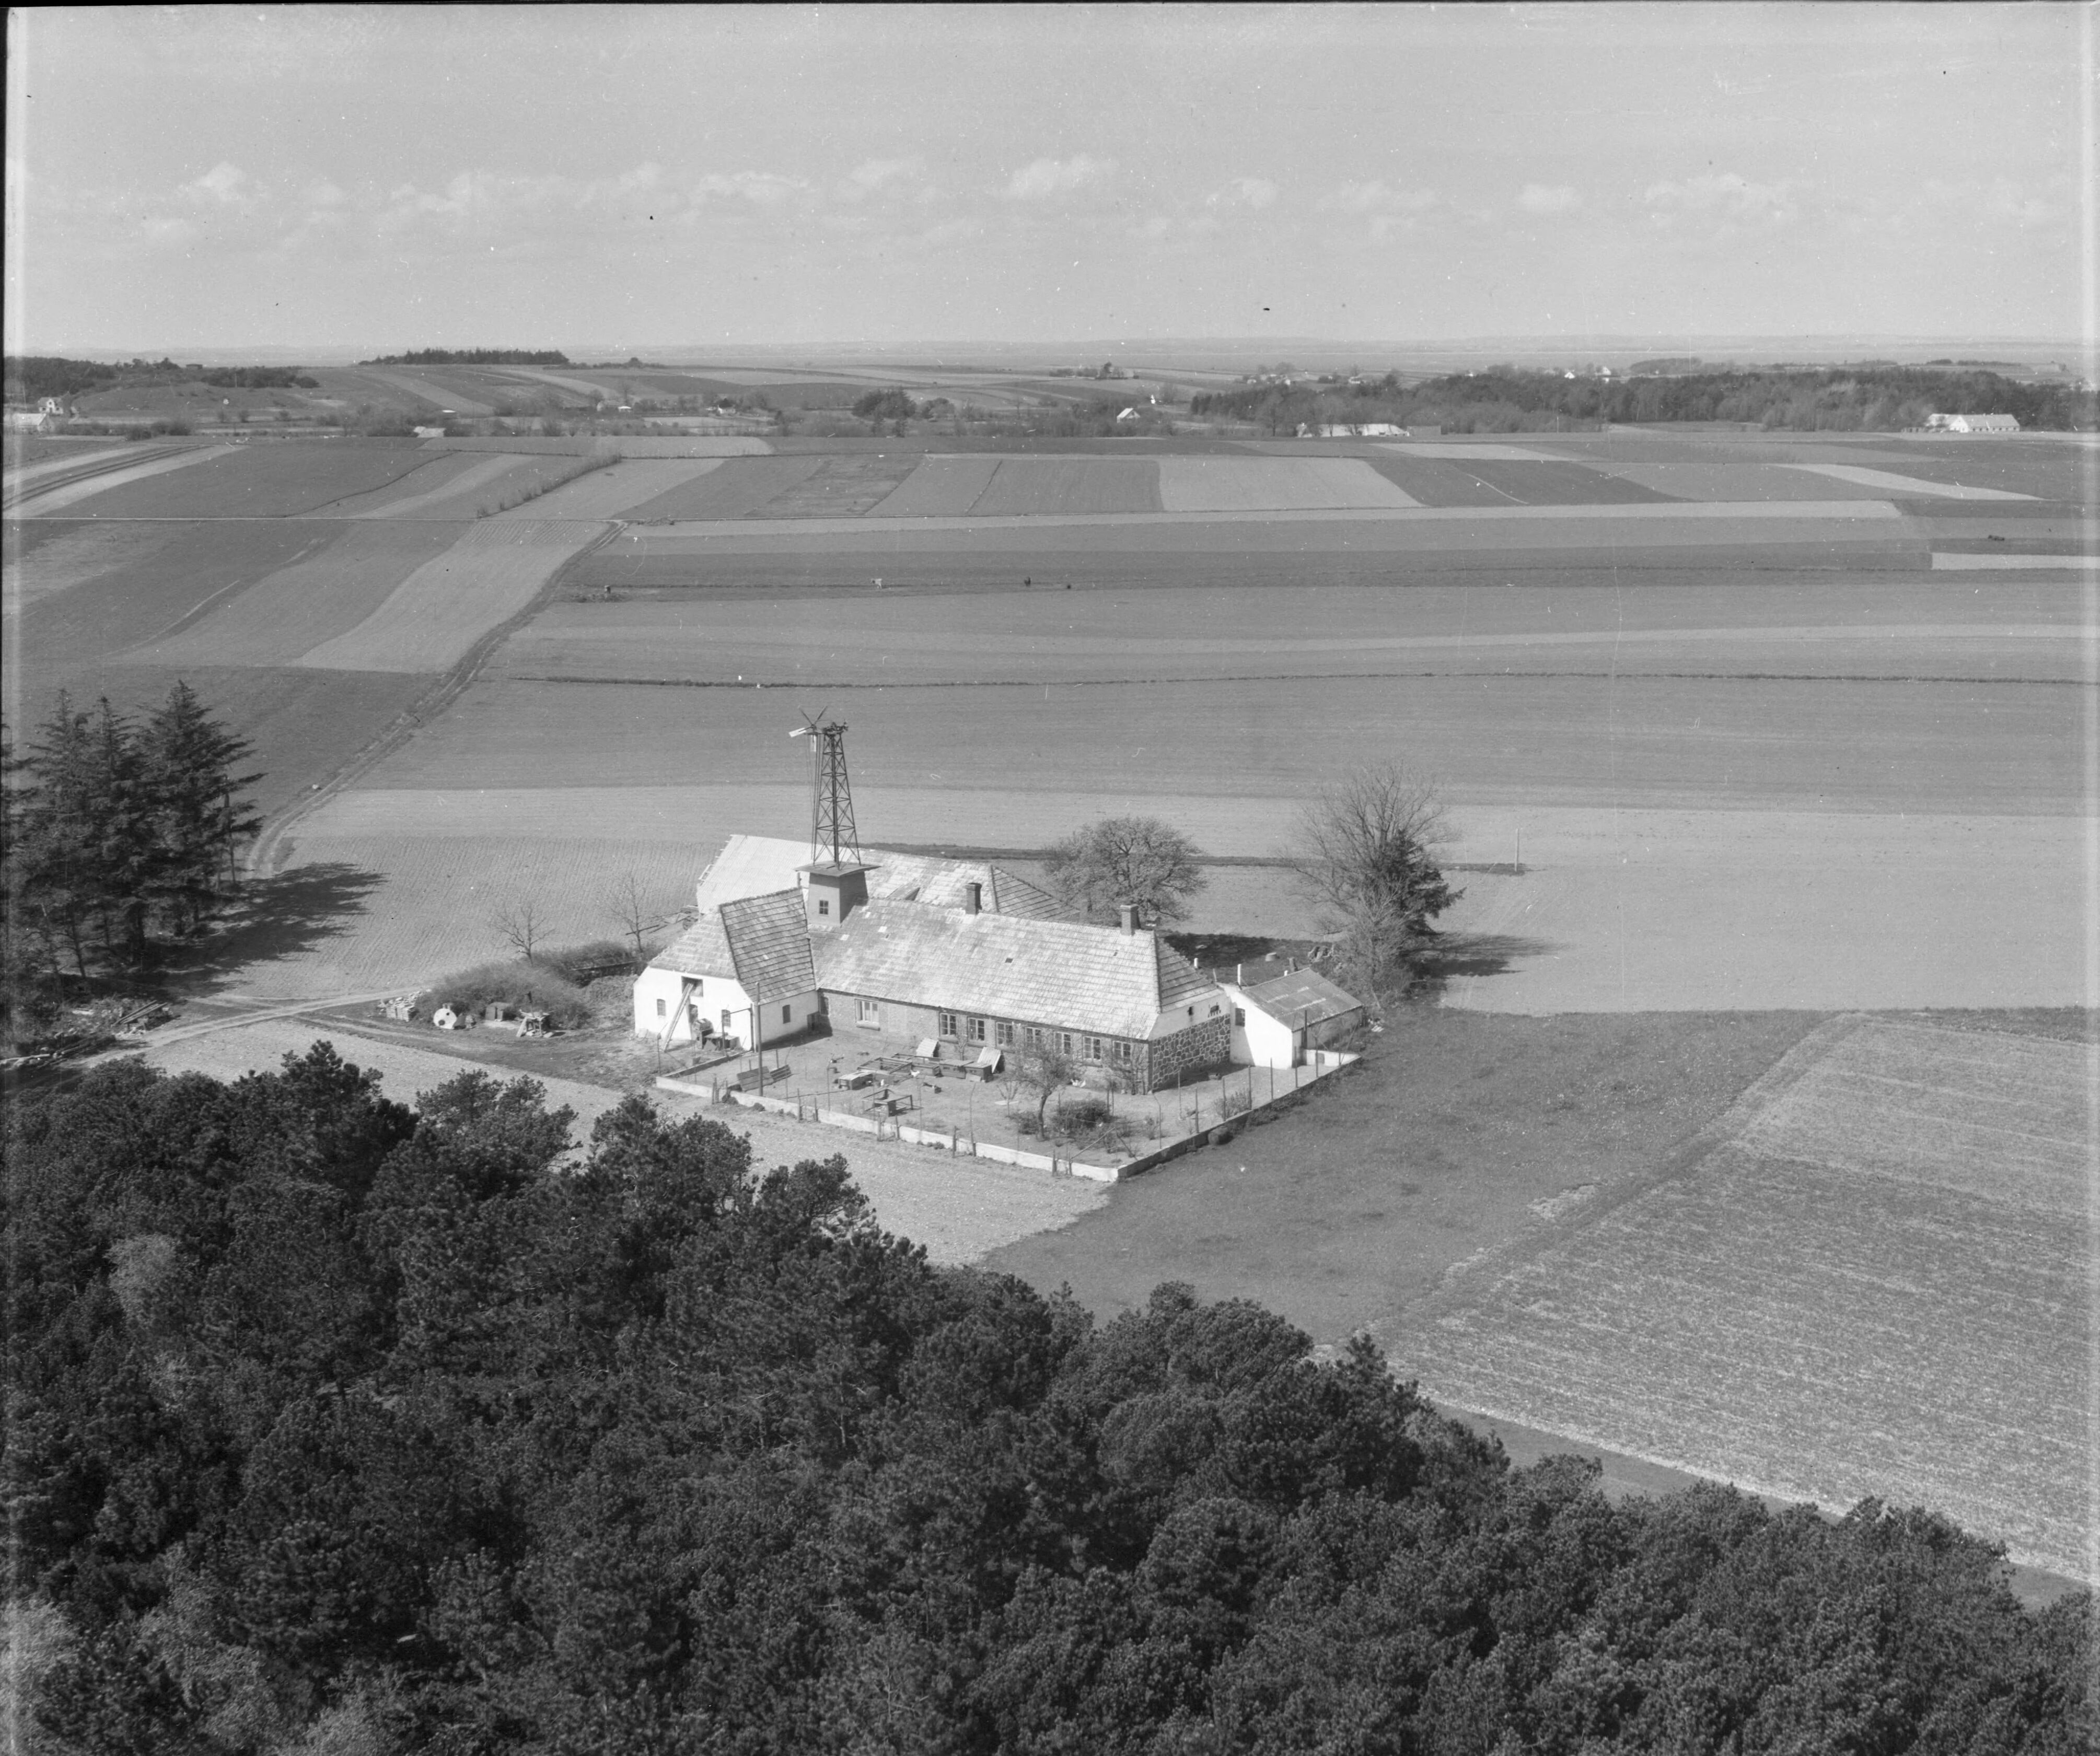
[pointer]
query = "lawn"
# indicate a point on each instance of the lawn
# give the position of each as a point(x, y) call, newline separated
point(1034, 486)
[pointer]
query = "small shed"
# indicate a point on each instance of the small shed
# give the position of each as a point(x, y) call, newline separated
point(1278, 1022)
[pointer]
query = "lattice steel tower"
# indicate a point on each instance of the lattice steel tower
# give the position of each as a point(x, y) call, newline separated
point(833, 839)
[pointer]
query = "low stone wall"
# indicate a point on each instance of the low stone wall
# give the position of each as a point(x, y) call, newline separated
point(962, 1145)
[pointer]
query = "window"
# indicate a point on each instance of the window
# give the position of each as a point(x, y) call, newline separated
point(727, 1015)
point(1063, 1042)
point(787, 1013)
point(1214, 1010)
point(1003, 1034)
point(948, 1026)
point(867, 1013)
point(973, 1030)
point(1122, 1051)
point(1031, 1036)
point(659, 1006)
point(1239, 1015)
point(823, 905)
point(1096, 1049)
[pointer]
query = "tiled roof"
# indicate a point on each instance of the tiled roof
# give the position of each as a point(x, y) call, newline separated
point(701, 950)
point(1304, 997)
point(761, 941)
point(1065, 974)
point(768, 937)
point(758, 865)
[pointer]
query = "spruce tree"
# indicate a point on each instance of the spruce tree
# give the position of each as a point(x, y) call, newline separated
point(191, 762)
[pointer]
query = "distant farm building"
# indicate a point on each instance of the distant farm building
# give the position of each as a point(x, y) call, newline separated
point(1355, 429)
point(1972, 423)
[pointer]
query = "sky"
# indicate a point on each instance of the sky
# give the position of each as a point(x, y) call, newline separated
point(348, 178)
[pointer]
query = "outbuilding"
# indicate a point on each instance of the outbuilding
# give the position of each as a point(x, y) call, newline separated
point(1280, 1023)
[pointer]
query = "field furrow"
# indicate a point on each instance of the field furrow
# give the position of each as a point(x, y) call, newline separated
point(429, 620)
point(939, 488)
point(1027, 486)
point(317, 598)
point(606, 493)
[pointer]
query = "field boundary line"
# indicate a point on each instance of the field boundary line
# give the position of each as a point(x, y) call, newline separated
point(1465, 1280)
point(272, 847)
point(1283, 677)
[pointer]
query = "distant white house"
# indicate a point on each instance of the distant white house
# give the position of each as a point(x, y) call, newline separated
point(1356, 429)
point(430, 432)
point(27, 421)
point(1972, 423)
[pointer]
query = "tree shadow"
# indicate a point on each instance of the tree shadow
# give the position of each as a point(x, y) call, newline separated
point(280, 916)
point(1474, 954)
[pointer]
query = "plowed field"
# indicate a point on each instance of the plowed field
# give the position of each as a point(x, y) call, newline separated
point(844, 487)
point(45, 556)
point(1026, 486)
point(1816, 1316)
point(940, 487)
point(1914, 486)
point(605, 493)
point(64, 489)
point(1240, 629)
point(317, 598)
point(429, 621)
point(1264, 484)
point(740, 486)
point(1562, 484)
point(449, 485)
point(276, 479)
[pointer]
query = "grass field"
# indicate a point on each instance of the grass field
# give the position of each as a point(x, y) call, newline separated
point(45, 556)
point(429, 621)
point(1816, 1315)
point(320, 596)
point(274, 479)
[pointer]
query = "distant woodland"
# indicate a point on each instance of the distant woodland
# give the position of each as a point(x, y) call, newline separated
point(339, 1425)
point(473, 356)
point(1504, 399)
point(30, 377)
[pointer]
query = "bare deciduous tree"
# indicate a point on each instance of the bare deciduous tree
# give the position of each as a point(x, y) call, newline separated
point(1127, 859)
point(1363, 852)
point(520, 925)
point(624, 903)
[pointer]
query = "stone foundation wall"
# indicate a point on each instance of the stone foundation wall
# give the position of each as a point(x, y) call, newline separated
point(1203, 1046)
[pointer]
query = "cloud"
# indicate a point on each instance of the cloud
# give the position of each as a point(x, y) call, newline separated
point(1548, 198)
point(1378, 197)
point(225, 184)
point(1256, 193)
point(1728, 197)
point(1048, 177)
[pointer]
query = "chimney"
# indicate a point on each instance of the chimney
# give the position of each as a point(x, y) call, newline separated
point(972, 897)
point(1129, 918)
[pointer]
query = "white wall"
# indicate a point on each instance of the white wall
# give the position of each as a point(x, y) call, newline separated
point(715, 996)
point(1262, 1041)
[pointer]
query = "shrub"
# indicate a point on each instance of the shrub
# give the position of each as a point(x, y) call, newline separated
point(1083, 1114)
point(536, 984)
point(1234, 1103)
point(579, 965)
